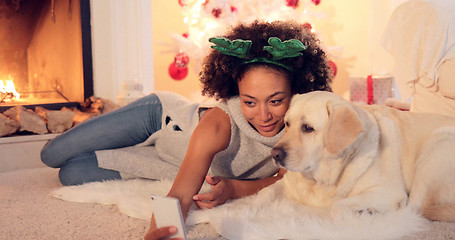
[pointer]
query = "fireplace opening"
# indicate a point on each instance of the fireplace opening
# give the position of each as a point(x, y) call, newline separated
point(45, 53)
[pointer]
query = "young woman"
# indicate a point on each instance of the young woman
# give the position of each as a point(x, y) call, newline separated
point(253, 71)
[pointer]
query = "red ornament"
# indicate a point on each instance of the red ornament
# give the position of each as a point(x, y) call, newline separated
point(185, 35)
point(233, 9)
point(292, 3)
point(181, 60)
point(182, 3)
point(178, 70)
point(334, 68)
point(216, 12)
point(308, 26)
point(177, 73)
point(316, 2)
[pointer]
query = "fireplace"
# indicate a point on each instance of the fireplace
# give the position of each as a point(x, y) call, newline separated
point(45, 53)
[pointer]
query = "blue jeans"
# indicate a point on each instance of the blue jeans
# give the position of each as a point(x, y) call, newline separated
point(74, 151)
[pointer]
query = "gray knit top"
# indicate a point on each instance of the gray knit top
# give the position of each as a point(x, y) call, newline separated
point(159, 157)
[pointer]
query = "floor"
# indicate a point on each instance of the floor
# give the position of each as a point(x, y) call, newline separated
point(22, 152)
point(28, 212)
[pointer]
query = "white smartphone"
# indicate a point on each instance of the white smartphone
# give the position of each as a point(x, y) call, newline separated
point(168, 213)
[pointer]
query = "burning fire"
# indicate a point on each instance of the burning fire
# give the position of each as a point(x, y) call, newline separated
point(8, 91)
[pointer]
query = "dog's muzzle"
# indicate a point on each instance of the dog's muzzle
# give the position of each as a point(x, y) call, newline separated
point(278, 154)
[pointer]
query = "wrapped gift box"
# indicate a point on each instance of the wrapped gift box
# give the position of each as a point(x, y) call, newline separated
point(372, 89)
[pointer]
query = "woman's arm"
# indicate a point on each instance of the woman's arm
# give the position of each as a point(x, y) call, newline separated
point(211, 136)
point(224, 189)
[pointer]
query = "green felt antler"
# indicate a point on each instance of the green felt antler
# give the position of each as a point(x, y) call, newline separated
point(237, 48)
point(278, 49)
point(287, 49)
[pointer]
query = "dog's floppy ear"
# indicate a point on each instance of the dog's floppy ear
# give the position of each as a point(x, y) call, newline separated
point(343, 128)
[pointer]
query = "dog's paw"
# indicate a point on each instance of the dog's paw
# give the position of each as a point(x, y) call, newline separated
point(401, 204)
point(368, 211)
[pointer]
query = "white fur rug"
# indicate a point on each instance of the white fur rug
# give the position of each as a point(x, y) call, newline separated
point(262, 216)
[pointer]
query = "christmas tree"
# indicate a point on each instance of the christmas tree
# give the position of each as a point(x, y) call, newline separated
point(208, 18)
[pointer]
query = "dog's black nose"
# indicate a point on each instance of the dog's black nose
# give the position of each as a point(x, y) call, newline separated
point(278, 154)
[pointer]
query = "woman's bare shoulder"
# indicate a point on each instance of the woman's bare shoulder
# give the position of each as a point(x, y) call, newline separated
point(215, 128)
point(216, 117)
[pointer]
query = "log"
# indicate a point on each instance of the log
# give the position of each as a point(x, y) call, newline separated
point(42, 120)
point(108, 106)
point(32, 122)
point(80, 117)
point(7, 126)
point(41, 111)
point(27, 119)
point(98, 106)
point(59, 121)
point(14, 112)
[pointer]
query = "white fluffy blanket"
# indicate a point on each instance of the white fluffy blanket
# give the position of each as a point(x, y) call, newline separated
point(265, 215)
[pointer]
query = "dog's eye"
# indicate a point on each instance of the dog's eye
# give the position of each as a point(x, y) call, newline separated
point(307, 128)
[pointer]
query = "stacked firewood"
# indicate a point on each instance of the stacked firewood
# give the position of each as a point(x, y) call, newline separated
point(41, 121)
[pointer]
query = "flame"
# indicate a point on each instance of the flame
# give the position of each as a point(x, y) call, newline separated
point(7, 88)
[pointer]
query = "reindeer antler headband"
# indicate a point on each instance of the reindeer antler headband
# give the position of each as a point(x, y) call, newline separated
point(279, 50)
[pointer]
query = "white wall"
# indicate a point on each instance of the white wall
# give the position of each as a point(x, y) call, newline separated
point(121, 45)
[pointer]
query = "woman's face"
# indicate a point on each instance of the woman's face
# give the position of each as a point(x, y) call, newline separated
point(265, 94)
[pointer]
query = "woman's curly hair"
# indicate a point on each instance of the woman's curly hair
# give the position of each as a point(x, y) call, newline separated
point(311, 71)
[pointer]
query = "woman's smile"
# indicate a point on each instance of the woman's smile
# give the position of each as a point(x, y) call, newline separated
point(267, 128)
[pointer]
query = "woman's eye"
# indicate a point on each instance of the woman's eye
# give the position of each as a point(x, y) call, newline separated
point(250, 104)
point(276, 102)
point(307, 128)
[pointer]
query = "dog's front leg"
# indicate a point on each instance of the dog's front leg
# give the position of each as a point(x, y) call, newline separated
point(373, 201)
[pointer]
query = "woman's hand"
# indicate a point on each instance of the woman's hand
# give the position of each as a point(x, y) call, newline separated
point(155, 233)
point(222, 190)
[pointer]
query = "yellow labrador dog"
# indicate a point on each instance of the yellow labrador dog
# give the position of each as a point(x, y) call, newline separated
point(367, 159)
